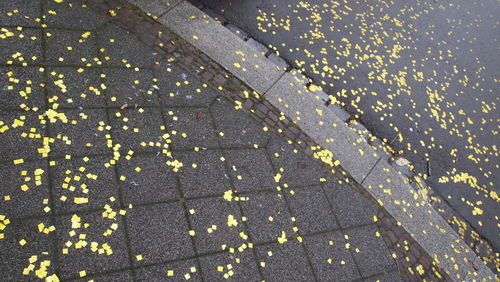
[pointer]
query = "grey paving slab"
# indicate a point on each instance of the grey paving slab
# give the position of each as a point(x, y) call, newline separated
point(74, 179)
point(267, 217)
point(196, 124)
point(240, 59)
point(329, 257)
point(241, 266)
point(155, 7)
point(80, 135)
point(292, 98)
point(299, 170)
point(21, 85)
point(148, 180)
point(158, 233)
point(90, 258)
point(229, 121)
point(70, 47)
point(369, 251)
point(147, 125)
point(23, 47)
point(215, 212)
point(81, 89)
point(20, 13)
point(207, 178)
point(351, 208)
point(178, 88)
point(14, 145)
point(119, 276)
point(174, 271)
point(122, 48)
point(311, 209)
point(71, 14)
point(24, 200)
point(15, 258)
point(279, 267)
point(250, 169)
point(130, 87)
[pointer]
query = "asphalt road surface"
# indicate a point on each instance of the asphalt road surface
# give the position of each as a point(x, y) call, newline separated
point(422, 73)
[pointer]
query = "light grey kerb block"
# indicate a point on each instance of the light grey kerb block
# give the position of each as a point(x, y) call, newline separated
point(154, 7)
point(292, 98)
point(245, 62)
point(425, 225)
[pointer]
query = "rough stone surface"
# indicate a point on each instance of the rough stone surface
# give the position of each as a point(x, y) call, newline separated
point(370, 252)
point(323, 247)
point(158, 237)
point(278, 267)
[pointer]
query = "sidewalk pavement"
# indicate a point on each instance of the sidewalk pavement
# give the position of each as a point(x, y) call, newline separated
point(118, 165)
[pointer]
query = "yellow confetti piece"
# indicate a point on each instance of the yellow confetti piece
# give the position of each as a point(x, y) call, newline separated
point(80, 200)
point(277, 177)
point(18, 161)
point(282, 239)
point(231, 221)
point(228, 195)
